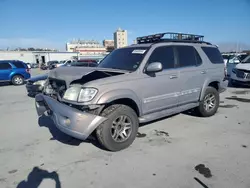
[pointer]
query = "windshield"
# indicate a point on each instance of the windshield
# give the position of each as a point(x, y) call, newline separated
point(125, 59)
point(246, 60)
point(242, 57)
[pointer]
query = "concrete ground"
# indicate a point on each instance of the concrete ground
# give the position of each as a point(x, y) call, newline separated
point(180, 151)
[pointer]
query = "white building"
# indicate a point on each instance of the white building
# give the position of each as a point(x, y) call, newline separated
point(37, 56)
point(120, 38)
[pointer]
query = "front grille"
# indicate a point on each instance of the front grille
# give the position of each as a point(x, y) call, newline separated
point(59, 86)
point(240, 74)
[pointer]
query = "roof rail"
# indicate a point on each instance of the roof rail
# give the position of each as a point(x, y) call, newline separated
point(171, 37)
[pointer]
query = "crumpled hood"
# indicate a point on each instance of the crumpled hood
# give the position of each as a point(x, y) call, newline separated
point(69, 74)
point(243, 66)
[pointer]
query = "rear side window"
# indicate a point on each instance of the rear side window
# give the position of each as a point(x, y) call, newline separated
point(164, 55)
point(188, 56)
point(18, 64)
point(5, 66)
point(213, 55)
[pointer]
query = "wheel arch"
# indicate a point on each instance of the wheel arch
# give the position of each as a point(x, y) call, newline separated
point(125, 97)
point(209, 83)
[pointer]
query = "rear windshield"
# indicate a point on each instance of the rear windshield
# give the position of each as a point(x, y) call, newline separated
point(213, 54)
point(125, 58)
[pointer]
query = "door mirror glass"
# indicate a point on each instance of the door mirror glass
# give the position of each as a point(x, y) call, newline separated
point(154, 67)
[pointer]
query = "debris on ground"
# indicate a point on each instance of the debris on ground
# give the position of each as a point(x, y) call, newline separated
point(12, 171)
point(141, 135)
point(163, 134)
point(228, 106)
point(202, 169)
point(244, 146)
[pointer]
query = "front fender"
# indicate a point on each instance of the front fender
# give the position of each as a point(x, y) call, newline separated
point(120, 94)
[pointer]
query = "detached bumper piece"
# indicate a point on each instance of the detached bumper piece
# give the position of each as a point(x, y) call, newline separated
point(69, 120)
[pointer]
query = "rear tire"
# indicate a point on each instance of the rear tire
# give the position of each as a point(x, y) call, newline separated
point(209, 104)
point(17, 80)
point(120, 129)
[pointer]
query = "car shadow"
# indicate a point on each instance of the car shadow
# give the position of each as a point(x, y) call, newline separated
point(230, 85)
point(36, 176)
point(157, 120)
point(46, 121)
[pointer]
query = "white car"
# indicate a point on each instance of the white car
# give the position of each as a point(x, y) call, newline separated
point(241, 73)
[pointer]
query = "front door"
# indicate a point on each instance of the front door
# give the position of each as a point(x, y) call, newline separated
point(160, 90)
point(192, 74)
point(5, 70)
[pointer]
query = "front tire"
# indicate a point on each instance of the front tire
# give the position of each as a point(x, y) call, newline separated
point(120, 129)
point(17, 80)
point(209, 104)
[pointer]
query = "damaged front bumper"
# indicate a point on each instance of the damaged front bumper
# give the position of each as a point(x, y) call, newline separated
point(69, 120)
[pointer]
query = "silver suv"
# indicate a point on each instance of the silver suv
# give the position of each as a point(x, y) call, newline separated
point(155, 78)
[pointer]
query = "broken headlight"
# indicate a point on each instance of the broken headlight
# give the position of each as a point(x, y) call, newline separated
point(80, 94)
point(87, 94)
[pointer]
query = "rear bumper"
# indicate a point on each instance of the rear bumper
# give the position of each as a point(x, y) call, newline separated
point(223, 86)
point(69, 120)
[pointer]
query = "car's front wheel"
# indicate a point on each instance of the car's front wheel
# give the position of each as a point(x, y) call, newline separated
point(209, 104)
point(120, 129)
point(17, 80)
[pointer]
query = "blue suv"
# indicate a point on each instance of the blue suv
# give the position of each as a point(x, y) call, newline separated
point(14, 71)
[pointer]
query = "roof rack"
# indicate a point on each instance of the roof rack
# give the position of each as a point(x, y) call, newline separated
point(171, 37)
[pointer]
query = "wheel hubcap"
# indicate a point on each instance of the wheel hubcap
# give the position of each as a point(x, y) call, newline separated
point(209, 102)
point(18, 80)
point(121, 128)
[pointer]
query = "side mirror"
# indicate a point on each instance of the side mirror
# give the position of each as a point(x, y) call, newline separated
point(154, 67)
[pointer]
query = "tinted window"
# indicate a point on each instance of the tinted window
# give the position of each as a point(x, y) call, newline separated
point(18, 64)
point(198, 57)
point(187, 56)
point(4, 66)
point(165, 55)
point(213, 54)
point(124, 58)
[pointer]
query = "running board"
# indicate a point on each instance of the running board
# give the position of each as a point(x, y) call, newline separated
point(167, 112)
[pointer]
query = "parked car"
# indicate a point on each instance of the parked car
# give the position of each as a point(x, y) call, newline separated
point(13, 71)
point(140, 83)
point(52, 64)
point(231, 60)
point(34, 65)
point(84, 63)
point(35, 84)
point(241, 73)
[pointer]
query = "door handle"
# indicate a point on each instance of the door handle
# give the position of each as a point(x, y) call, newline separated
point(173, 76)
point(203, 72)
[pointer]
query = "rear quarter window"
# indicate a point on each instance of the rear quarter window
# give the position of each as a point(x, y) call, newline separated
point(18, 64)
point(213, 55)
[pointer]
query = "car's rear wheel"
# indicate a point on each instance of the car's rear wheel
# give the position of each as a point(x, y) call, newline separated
point(120, 129)
point(17, 80)
point(209, 104)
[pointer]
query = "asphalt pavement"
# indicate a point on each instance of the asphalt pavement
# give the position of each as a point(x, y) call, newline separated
point(180, 151)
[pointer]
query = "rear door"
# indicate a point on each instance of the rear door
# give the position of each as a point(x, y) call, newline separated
point(5, 71)
point(192, 73)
